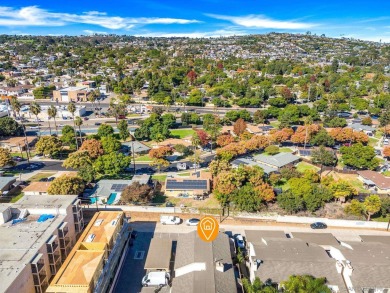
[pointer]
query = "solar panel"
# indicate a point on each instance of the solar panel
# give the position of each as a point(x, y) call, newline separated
point(118, 187)
point(187, 184)
point(305, 152)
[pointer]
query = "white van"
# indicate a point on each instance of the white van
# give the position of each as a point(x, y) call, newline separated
point(170, 220)
point(156, 279)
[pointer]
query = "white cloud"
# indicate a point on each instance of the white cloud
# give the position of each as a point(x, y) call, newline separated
point(35, 16)
point(211, 34)
point(261, 21)
point(90, 32)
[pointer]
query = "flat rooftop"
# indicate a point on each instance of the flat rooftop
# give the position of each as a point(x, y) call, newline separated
point(83, 262)
point(19, 243)
point(102, 227)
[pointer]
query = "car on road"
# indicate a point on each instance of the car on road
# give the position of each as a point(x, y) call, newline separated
point(170, 220)
point(86, 118)
point(168, 204)
point(156, 279)
point(146, 170)
point(61, 125)
point(192, 222)
point(34, 127)
point(97, 123)
point(240, 241)
point(318, 225)
point(17, 159)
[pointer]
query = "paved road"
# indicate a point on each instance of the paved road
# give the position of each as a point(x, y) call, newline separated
point(343, 234)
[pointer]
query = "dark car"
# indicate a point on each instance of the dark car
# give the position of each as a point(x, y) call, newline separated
point(18, 159)
point(97, 123)
point(86, 118)
point(318, 225)
point(44, 180)
point(168, 204)
point(50, 179)
point(192, 222)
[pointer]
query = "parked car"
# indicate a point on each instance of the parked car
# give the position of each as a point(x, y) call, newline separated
point(168, 204)
point(318, 225)
point(240, 241)
point(386, 141)
point(192, 222)
point(43, 179)
point(170, 220)
point(50, 179)
point(18, 159)
point(97, 123)
point(156, 279)
point(86, 118)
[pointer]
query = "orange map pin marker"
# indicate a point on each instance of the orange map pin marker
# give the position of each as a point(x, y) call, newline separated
point(208, 228)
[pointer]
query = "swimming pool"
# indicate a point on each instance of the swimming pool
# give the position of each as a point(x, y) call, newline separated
point(111, 198)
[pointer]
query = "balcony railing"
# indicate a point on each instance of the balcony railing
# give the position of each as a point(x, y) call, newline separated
point(36, 268)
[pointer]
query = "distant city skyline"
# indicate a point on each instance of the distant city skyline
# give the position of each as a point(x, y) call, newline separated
point(203, 18)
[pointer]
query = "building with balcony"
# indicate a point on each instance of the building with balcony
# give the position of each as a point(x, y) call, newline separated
point(72, 94)
point(37, 234)
point(93, 263)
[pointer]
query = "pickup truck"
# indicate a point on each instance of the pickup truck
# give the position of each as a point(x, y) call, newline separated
point(170, 220)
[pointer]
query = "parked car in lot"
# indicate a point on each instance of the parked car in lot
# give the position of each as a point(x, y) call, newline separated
point(240, 241)
point(192, 222)
point(318, 225)
point(170, 220)
point(156, 279)
point(18, 159)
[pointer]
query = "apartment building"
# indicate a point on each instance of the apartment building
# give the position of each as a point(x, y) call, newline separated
point(93, 263)
point(37, 234)
point(72, 94)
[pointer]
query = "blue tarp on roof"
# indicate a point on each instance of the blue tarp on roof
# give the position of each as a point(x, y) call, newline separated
point(44, 218)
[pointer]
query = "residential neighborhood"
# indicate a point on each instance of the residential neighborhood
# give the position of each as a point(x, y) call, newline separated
point(113, 148)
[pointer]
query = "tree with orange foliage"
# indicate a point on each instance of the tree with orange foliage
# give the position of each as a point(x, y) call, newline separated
point(94, 148)
point(203, 137)
point(386, 151)
point(192, 76)
point(359, 136)
point(282, 135)
point(230, 151)
point(225, 139)
point(239, 126)
point(341, 134)
point(304, 133)
point(266, 192)
point(159, 156)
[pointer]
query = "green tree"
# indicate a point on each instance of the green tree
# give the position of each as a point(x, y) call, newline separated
point(35, 109)
point(52, 113)
point(359, 156)
point(66, 185)
point(110, 144)
point(124, 133)
point(111, 164)
point(372, 205)
point(247, 199)
point(105, 130)
point(272, 150)
point(322, 138)
point(78, 122)
point(48, 145)
point(306, 283)
point(355, 208)
point(77, 160)
point(72, 109)
point(68, 137)
point(6, 158)
point(290, 202)
point(9, 127)
point(323, 157)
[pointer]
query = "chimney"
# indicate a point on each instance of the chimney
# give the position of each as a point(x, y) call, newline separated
point(219, 266)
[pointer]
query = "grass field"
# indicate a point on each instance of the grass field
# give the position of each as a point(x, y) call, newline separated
point(181, 133)
point(303, 166)
point(386, 173)
point(17, 197)
point(160, 178)
point(184, 174)
point(39, 176)
point(144, 158)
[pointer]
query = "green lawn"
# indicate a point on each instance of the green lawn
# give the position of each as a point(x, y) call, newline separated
point(39, 176)
point(275, 124)
point(181, 133)
point(386, 173)
point(17, 197)
point(303, 166)
point(23, 154)
point(160, 178)
point(144, 158)
point(372, 141)
point(184, 174)
point(281, 150)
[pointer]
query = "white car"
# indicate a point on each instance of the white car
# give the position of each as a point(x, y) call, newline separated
point(170, 220)
point(386, 141)
point(192, 222)
point(240, 241)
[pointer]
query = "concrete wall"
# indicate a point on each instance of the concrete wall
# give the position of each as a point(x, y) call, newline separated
point(24, 283)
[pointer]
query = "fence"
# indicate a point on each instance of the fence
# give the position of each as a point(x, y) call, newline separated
point(330, 168)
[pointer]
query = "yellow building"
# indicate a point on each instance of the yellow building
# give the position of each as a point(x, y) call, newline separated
point(92, 263)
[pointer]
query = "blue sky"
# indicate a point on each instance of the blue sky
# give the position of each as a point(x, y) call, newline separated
point(368, 20)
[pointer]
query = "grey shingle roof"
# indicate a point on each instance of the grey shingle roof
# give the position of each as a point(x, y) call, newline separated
point(191, 249)
point(267, 169)
point(138, 146)
point(278, 161)
point(4, 181)
point(360, 127)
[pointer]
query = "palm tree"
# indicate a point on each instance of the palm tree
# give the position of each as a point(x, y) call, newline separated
point(16, 106)
point(35, 108)
point(92, 98)
point(78, 121)
point(72, 109)
point(52, 113)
